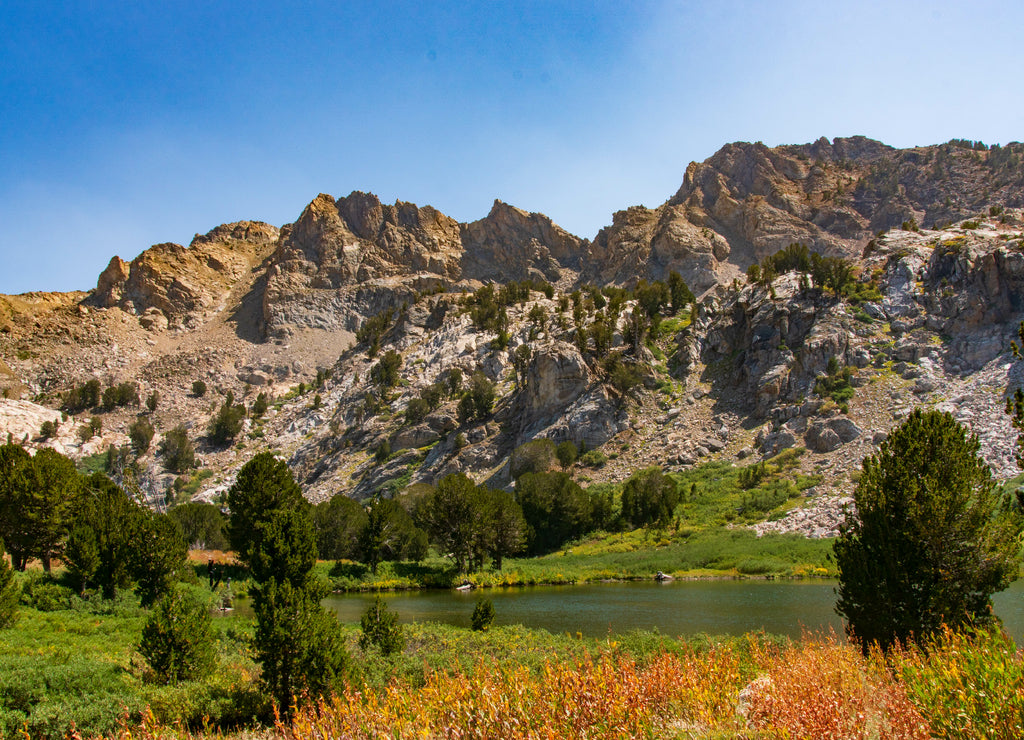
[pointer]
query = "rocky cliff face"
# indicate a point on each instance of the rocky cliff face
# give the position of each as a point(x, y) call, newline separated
point(344, 260)
point(749, 201)
point(255, 309)
point(170, 285)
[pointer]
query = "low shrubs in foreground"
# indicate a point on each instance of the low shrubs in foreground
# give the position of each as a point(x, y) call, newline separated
point(512, 682)
point(817, 687)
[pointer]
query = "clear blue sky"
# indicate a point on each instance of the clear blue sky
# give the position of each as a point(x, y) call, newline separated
point(124, 124)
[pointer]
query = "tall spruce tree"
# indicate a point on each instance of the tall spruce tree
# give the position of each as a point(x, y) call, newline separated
point(264, 486)
point(297, 643)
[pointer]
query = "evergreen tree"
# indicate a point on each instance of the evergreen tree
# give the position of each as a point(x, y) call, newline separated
point(389, 534)
point(158, 555)
point(54, 489)
point(287, 549)
point(177, 639)
point(176, 447)
point(448, 515)
point(202, 525)
point(649, 497)
point(554, 507)
point(15, 473)
point(10, 593)
point(483, 615)
point(227, 422)
point(680, 292)
point(567, 454)
point(263, 486)
point(298, 644)
point(141, 434)
point(338, 523)
point(380, 628)
point(82, 557)
point(105, 510)
point(503, 524)
point(925, 547)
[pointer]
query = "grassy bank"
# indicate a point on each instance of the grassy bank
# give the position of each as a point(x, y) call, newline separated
point(639, 554)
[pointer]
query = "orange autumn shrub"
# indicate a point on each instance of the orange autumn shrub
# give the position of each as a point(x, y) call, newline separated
point(821, 688)
point(610, 697)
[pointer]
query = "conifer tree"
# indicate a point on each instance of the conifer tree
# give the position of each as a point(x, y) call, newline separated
point(926, 547)
point(9, 592)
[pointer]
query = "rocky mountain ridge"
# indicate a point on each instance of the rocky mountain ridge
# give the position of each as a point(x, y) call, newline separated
point(251, 308)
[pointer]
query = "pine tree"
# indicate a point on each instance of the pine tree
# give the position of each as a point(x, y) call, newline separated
point(926, 546)
point(177, 639)
point(10, 593)
point(264, 485)
point(380, 628)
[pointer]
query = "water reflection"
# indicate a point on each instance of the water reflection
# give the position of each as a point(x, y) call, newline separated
point(674, 608)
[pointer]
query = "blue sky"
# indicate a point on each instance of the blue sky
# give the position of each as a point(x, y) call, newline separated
point(124, 124)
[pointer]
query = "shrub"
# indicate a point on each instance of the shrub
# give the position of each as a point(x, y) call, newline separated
point(380, 628)
point(122, 394)
point(91, 429)
point(259, 407)
point(535, 456)
point(85, 396)
point(141, 434)
point(649, 497)
point(227, 423)
point(567, 454)
point(198, 388)
point(177, 450)
point(417, 410)
point(177, 640)
point(483, 615)
point(593, 458)
point(152, 401)
point(385, 373)
point(49, 429)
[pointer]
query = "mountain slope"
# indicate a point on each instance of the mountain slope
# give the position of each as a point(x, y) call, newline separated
point(250, 308)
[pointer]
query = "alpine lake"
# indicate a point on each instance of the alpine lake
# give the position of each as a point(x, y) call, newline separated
point(675, 608)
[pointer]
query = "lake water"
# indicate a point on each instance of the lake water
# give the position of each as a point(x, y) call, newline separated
point(675, 608)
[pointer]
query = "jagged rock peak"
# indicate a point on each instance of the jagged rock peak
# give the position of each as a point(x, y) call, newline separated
point(172, 283)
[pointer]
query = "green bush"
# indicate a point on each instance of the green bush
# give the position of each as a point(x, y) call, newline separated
point(483, 615)
point(122, 394)
point(227, 422)
point(380, 628)
point(535, 456)
point(177, 450)
point(141, 434)
point(198, 389)
point(593, 458)
point(567, 454)
point(177, 640)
